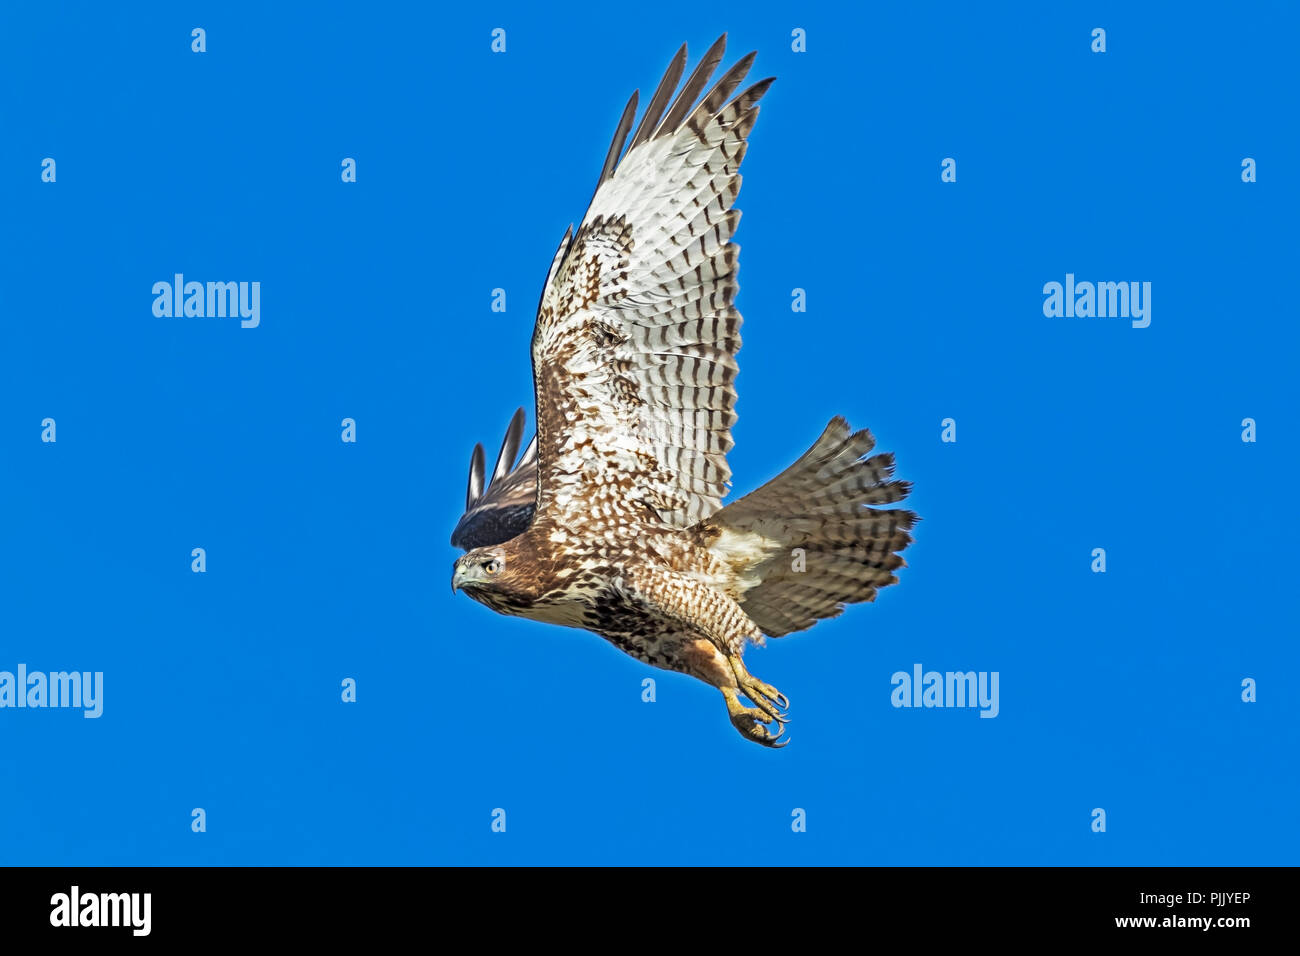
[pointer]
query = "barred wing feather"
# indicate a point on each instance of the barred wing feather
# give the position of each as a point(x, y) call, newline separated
point(636, 336)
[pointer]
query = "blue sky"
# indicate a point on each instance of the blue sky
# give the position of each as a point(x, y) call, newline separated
point(328, 560)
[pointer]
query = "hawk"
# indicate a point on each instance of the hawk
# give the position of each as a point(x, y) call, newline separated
point(612, 520)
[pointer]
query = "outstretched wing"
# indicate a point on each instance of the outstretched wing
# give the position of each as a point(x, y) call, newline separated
point(504, 507)
point(636, 336)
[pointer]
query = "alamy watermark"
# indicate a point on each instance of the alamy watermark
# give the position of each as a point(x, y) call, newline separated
point(76, 908)
point(1101, 300)
point(946, 689)
point(212, 300)
point(80, 689)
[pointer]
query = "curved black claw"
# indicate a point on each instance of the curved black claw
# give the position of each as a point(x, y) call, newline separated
point(752, 721)
point(768, 704)
point(770, 700)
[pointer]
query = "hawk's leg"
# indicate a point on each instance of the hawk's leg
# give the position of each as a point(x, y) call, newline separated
point(752, 721)
point(715, 631)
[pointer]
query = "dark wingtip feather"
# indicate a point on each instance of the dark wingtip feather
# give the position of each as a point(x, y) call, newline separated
point(694, 86)
point(716, 97)
point(662, 119)
point(530, 453)
point(620, 137)
point(476, 466)
point(509, 446)
point(755, 92)
point(659, 102)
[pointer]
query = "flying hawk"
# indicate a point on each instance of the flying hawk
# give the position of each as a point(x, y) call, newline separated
point(612, 520)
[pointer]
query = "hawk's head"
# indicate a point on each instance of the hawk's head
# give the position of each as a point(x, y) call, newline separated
point(489, 577)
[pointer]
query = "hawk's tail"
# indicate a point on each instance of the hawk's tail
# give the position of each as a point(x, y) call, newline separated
point(807, 542)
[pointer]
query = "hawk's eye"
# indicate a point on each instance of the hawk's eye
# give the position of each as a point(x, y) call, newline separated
point(492, 566)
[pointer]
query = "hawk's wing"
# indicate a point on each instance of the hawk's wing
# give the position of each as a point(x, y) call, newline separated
point(503, 508)
point(634, 348)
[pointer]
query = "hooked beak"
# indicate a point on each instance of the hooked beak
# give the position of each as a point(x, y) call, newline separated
point(459, 578)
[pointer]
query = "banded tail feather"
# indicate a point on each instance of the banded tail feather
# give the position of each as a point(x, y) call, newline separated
point(822, 505)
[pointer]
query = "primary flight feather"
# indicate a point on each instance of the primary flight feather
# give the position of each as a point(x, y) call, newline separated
point(612, 520)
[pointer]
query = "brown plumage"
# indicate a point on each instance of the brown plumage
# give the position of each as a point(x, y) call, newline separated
point(634, 364)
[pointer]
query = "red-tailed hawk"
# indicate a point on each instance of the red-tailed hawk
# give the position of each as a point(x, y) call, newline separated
point(613, 521)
